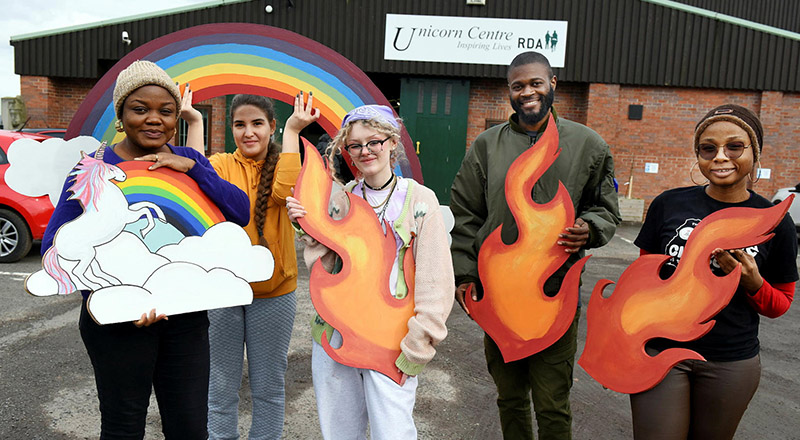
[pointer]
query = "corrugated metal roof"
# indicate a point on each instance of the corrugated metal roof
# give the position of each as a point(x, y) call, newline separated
point(778, 13)
point(609, 41)
point(726, 18)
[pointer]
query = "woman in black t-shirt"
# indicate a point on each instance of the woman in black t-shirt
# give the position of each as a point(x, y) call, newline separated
point(706, 400)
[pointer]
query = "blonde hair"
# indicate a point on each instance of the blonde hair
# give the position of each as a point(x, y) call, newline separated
point(337, 144)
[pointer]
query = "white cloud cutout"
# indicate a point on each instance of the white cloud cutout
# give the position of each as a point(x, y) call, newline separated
point(125, 257)
point(224, 263)
point(39, 283)
point(172, 289)
point(40, 168)
point(224, 245)
point(449, 221)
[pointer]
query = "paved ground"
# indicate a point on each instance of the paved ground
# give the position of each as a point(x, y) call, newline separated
point(47, 389)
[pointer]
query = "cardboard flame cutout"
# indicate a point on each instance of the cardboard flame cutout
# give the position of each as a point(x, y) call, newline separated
point(514, 311)
point(356, 301)
point(643, 306)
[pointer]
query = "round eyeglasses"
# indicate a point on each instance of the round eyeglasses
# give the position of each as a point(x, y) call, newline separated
point(373, 146)
point(732, 150)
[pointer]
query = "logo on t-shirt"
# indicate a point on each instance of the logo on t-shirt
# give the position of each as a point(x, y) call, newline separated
point(676, 245)
point(678, 242)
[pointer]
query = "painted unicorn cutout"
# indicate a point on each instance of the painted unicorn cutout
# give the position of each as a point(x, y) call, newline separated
point(105, 215)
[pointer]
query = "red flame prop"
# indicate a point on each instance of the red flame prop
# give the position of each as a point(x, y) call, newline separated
point(514, 310)
point(357, 300)
point(643, 306)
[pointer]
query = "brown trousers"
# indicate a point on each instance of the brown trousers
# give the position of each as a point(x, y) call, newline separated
point(697, 400)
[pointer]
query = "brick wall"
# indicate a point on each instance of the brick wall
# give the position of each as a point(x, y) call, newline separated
point(52, 102)
point(781, 120)
point(664, 134)
point(218, 124)
point(488, 100)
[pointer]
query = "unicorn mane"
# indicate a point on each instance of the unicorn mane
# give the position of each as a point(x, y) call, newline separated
point(88, 181)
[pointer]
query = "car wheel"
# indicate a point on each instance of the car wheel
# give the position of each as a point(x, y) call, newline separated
point(15, 237)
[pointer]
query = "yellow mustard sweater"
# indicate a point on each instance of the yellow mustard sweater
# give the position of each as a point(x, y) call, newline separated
point(245, 174)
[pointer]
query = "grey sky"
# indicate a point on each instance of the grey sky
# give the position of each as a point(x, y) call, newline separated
point(24, 17)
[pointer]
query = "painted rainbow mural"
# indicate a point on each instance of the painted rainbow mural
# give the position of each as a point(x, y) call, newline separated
point(228, 58)
point(186, 207)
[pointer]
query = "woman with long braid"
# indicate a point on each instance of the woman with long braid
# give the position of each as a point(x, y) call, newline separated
point(266, 173)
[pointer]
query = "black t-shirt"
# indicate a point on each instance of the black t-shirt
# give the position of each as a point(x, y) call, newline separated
point(671, 218)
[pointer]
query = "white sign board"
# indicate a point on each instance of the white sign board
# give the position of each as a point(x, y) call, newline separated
point(764, 173)
point(651, 167)
point(472, 40)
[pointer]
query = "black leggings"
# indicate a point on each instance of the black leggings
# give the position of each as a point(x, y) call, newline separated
point(169, 356)
point(697, 400)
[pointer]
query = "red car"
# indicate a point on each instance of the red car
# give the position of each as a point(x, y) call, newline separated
point(22, 218)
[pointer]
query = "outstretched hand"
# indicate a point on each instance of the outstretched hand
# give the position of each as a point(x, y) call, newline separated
point(188, 113)
point(304, 113)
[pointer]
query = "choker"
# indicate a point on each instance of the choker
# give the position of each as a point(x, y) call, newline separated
point(382, 186)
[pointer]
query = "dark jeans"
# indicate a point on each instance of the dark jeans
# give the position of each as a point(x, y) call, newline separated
point(546, 377)
point(169, 356)
point(697, 401)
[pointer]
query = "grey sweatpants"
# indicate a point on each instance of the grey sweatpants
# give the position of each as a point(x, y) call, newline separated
point(348, 398)
point(264, 328)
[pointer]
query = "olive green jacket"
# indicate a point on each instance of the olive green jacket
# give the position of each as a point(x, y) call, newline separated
point(478, 202)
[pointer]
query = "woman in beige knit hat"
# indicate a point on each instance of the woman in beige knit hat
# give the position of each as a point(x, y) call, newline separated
point(706, 399)
point(169, 355)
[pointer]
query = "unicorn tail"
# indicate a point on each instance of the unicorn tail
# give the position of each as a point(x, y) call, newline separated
point(51, 266)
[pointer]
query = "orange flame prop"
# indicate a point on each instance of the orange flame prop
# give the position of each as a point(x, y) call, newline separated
point(356, 301)
point(643, 306)
point(514, 311)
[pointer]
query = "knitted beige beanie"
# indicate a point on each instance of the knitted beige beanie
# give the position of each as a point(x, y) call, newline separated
point(139, 74)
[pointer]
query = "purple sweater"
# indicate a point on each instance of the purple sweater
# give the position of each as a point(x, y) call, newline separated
point(232, 201)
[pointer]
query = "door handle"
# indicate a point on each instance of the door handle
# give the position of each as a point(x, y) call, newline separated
point(417, 148)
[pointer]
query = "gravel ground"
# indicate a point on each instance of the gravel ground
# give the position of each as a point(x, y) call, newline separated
point(48, 390)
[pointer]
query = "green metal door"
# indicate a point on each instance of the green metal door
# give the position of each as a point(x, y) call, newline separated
point(435, 114)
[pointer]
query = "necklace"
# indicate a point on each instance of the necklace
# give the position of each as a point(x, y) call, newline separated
point(383, 203)
point(391, 178)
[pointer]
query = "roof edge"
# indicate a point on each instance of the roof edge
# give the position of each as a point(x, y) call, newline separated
point(80, 27)
point(726, 18)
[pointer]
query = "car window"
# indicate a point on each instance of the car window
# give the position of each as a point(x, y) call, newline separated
point(3, 157)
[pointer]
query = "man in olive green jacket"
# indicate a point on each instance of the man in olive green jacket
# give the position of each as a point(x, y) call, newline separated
point(478, 202)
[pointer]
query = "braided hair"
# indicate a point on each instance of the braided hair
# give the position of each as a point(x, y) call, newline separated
point(268, 171)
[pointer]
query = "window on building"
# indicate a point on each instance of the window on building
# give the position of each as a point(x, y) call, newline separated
point(492, 122)
point(204, 110)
